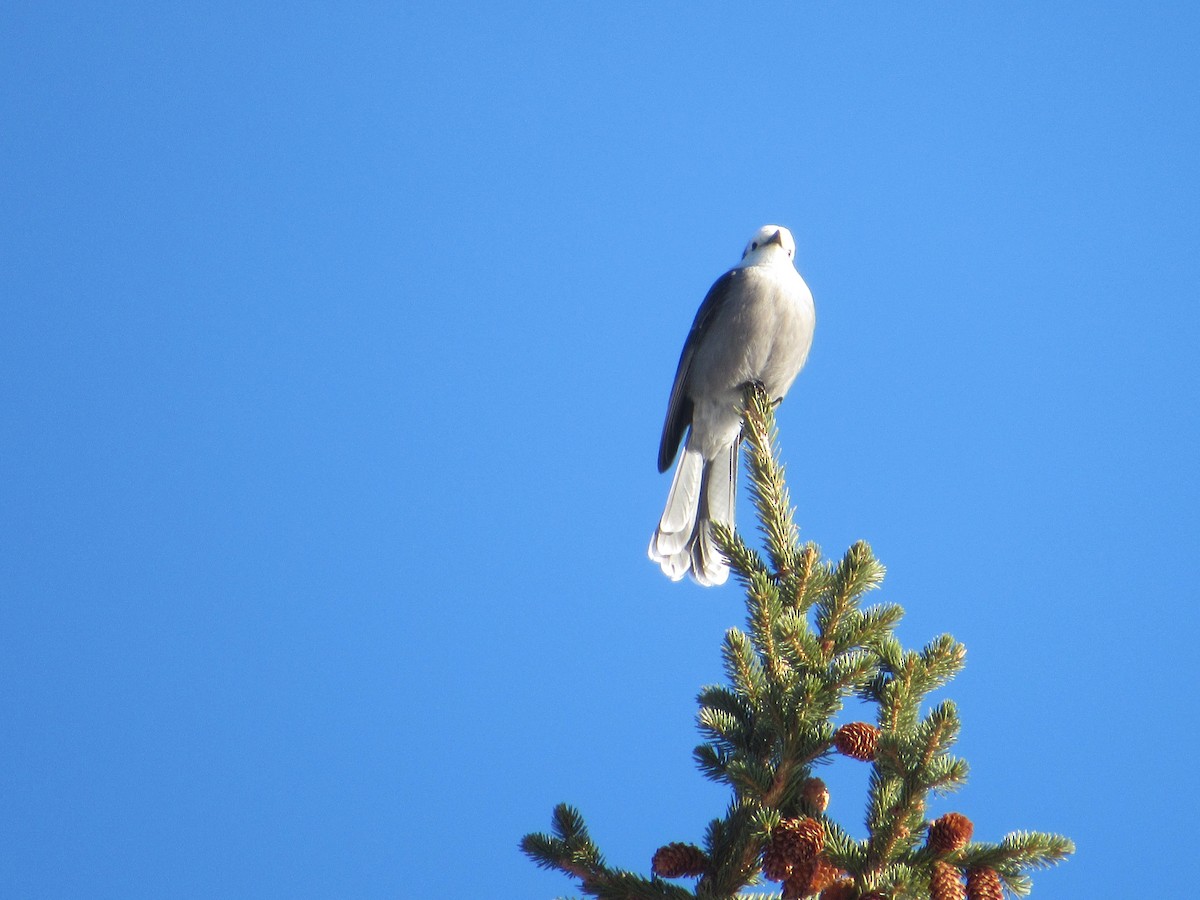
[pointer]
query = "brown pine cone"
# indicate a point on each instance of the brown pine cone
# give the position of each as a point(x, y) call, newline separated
point(792, 842)
point(945, 883)
point(842, 889)
point(816, 795)
point(950, 832)
point(775, 867)
point(810, 877)
point(824, 874)
point(679, 860)
point(984, 884)
point(858, 740)
point(795, 885)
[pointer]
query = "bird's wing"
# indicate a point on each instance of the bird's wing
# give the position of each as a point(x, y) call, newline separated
point(679, 407)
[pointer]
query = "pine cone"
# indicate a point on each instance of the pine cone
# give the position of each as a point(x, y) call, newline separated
point(774, 866)
point(816, 795)
point(679, 860)
point(795, 885)
point(842, 889)
point(810, 877)
point(950, 832)
point(858, 740)
point(792, 843)
point(984, 884)
point(945, 883)
point(823, 875)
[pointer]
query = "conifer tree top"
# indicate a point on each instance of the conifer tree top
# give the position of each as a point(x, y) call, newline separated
point(808, 645)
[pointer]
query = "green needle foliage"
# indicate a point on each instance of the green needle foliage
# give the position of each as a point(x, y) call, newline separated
point(808, 645)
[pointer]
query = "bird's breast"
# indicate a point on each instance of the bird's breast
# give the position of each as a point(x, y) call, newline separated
point(765, 334)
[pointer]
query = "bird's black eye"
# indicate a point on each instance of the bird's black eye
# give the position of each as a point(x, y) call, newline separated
point(754, 245)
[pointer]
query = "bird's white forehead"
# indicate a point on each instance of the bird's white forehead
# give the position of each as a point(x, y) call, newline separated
point(766, 232)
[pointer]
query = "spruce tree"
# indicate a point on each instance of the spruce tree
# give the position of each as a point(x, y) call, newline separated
point(809, 644)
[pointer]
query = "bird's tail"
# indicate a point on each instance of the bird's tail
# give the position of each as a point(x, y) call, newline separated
point(702, 493)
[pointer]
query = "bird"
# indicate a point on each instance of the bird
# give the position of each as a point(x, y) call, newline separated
point(755, 326)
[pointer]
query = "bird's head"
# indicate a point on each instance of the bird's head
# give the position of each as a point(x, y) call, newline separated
point(770, 243)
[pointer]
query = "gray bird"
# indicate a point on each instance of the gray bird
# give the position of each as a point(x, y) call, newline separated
point(755, 325)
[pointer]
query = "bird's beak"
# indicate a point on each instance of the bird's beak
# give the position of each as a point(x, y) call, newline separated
point(776, 238)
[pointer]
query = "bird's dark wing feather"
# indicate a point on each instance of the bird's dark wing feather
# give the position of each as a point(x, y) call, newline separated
point(679, 407)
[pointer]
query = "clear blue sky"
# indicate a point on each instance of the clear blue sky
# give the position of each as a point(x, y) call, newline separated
point(335, 342)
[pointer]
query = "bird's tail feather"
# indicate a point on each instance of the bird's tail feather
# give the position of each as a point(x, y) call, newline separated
point(671, 545)
point(716, 507)
point(702, 492)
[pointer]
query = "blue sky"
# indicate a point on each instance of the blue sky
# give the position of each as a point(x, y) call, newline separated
point(335, 343)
